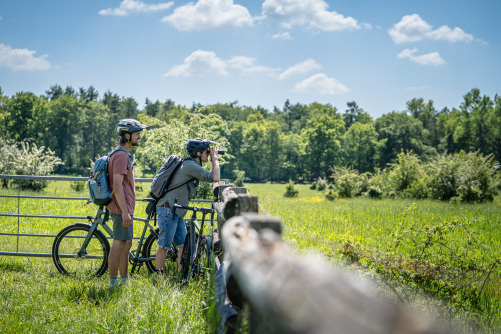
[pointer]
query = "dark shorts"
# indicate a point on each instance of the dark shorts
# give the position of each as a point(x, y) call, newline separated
point(119, 231)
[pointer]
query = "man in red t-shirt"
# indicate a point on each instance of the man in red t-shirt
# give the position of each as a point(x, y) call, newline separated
point(123, 202)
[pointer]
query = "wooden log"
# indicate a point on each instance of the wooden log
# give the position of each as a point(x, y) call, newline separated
point(227, 313)
point(291, 295)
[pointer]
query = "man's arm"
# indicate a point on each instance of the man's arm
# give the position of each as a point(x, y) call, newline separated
point(215, 164)
point(118, 191)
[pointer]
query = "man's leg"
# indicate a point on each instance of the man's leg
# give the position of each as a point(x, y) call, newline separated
point(114, 260)
point(160, 258)
point(124, 258)
point(165, 235)
point(179, 257)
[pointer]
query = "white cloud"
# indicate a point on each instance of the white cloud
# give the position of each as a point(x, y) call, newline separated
point(413, 28)
point(246, 66)
point(322, 84)
point(22, 59)
point(301, 68)
point(429, 59)
point(199, 63)
point(209, 14)
point(128, 7)
point(203, 63)
point(284, 35)
point(311, 13)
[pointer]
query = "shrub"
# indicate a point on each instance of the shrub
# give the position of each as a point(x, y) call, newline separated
point(405, 171)
point(347, 181)
point(25, 159)
point(313, 186)
point(240, 176)
point(204, 191)
point(374, 192)
point(464, 178)
point(321, 184)
point(331, 195)
point(444, 177)
point(291, 190)
point(478, 178)
point(77, 185)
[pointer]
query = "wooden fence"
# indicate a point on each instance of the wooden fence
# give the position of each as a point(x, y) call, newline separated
point(283, 293)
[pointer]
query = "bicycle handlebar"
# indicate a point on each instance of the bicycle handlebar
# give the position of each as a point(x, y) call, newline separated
point(192, 208)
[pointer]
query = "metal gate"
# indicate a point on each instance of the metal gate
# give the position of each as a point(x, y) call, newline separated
point(17, 235)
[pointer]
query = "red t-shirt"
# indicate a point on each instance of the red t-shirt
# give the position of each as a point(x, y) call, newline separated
point(117, 164)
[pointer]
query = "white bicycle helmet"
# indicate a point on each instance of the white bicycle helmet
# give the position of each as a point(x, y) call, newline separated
point(129, 125)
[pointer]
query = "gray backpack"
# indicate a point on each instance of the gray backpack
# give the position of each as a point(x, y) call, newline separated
point(161, 182)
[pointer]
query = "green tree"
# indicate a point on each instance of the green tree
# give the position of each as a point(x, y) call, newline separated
point(21, 107)
point(253, 159)
point(361, 146)
point(355, 114)
point(322, 137)
point(427, 114)
point(401, 132)
point(63, 124)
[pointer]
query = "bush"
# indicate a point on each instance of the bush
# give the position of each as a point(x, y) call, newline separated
point(331, 195)
point(374, 192)
point(25, 159)
point(347, 181)
point(291, 190)
point(478, 178)
point(77, 185)
point(240, 176)
point(444, 177)
point(321, 184)
point(313, 186)
point(464, 178)
point(405, 171)
point(204, 191)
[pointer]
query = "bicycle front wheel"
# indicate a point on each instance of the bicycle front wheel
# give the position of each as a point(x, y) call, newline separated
point(69, 257)
point(201, 266)
point(186, 259)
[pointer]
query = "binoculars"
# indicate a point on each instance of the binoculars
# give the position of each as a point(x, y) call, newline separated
point(219, 152)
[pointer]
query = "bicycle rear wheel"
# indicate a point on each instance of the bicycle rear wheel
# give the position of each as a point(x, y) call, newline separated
point(150, 250)
point(93, 262)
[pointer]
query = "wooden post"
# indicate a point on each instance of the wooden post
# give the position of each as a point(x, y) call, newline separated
point(287, 294)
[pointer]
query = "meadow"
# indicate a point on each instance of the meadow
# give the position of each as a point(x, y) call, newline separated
point(435, 255)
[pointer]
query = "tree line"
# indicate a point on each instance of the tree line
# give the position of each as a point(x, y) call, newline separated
point(301, 142)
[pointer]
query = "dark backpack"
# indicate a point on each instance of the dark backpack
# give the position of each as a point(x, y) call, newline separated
point(99, 181)
point(160, 185)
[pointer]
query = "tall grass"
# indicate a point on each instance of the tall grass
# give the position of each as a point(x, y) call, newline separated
point(447, 253)
point(372, 237)
point(36, 298)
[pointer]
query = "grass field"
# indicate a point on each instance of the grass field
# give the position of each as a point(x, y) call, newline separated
point(396, 241)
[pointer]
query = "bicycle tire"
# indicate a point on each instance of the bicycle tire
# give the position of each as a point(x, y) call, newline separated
point(201, 266)
point(185, 259)
point(150, 248)
point(68, 242)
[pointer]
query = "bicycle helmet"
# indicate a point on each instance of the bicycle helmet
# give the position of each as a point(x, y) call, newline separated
point(129, 125)
point(198, 145)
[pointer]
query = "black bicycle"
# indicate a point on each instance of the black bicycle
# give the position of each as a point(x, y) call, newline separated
point(197, 258)
point(82, 249)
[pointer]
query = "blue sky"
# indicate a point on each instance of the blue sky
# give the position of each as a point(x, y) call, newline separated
point(380, 54)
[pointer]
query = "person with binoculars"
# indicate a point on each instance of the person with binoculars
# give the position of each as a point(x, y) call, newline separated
point(184, 185)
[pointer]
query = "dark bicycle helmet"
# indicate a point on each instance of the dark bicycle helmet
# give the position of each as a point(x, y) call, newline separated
point(129, 126)
point(198, 145)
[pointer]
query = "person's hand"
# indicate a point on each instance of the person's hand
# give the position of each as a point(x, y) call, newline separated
point(213, 153)
point(127, 220)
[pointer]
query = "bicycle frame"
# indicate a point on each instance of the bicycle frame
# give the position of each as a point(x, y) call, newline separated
point(134, 255)
point(195, 235)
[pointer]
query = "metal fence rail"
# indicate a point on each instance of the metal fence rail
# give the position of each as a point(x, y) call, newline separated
point(22, 215)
